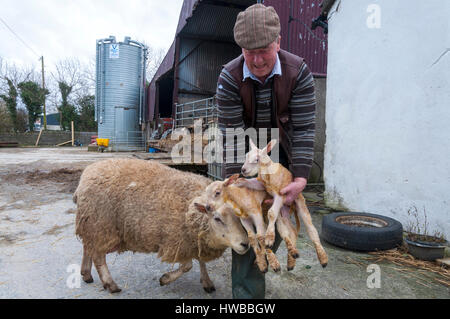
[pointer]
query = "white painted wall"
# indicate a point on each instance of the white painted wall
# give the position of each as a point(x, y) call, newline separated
point(388, 109)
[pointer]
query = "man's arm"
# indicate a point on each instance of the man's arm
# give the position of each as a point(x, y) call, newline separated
point(230, 115)
point(303, 115)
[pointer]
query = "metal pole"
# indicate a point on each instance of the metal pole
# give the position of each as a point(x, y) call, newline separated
point(73, 140)
point(43, 92)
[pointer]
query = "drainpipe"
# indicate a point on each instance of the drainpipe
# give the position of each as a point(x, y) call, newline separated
point(175, 76)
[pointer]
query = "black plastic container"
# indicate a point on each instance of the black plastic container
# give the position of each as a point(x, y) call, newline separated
point(426, 250)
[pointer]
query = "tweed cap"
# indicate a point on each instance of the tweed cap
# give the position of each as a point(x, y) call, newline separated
point(256, 27)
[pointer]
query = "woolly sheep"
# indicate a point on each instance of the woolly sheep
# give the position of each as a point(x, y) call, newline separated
point(145, 206)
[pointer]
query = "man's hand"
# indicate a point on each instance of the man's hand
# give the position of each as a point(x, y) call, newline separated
point(293, 190)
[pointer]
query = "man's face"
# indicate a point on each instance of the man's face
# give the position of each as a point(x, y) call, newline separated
point(261, 61)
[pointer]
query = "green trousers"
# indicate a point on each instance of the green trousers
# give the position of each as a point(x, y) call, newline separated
point(247, 281)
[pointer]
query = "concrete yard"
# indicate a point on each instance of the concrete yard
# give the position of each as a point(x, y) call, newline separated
point(39, 251)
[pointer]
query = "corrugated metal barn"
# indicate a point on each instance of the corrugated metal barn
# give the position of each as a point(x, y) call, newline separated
point(204, 42)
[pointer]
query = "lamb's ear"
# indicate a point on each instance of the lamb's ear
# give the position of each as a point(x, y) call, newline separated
point(230, 180)
point(201, 208)
point(252, 145)
point(252, 183)
point(269, 146)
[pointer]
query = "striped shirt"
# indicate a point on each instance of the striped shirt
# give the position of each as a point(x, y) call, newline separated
point(302, 106)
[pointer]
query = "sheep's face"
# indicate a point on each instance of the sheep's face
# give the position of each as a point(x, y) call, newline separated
point(255, 157)
point(215, 196)
point(226, 229)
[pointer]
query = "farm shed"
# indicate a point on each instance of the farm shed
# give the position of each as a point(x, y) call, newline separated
point(52, 121)
point(204, 42)
point(388, 147)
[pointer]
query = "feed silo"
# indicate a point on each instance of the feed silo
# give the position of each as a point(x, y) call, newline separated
point(120, 92)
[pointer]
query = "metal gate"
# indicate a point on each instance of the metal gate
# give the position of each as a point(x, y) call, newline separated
point(205, 109)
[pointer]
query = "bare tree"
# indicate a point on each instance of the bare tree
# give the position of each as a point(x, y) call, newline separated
point(154, 60)
point(15, 74)
point(69, 71)
point(155, 56)
point(11, 75)
point(89, 72)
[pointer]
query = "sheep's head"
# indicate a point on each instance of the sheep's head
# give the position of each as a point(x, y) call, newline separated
point(225, 228)
point(256, 157)
point(215, 193)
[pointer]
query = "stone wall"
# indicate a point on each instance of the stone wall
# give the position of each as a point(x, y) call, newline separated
point(48, 138)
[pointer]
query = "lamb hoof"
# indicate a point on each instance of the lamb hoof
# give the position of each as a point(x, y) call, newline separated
point(112, 288)
point(269, 242)
point(164, 280)
point(270, 239)
point(295, 255)
point(209, 289)
point(88, 280)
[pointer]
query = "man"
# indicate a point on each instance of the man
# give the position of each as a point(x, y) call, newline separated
point(264, 88)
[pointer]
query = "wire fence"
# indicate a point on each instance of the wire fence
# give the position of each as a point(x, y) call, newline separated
point(131, 141)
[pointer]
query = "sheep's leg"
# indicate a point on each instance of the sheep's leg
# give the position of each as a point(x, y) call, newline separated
point(86, 267)
point(171, 276)
point(301, 208)
point(272, 215)
point(259, 253)
point(289, 231)
point(273, 260)
point(104, 274)
point(206, 282)
point(289, 235)
point(258, 221)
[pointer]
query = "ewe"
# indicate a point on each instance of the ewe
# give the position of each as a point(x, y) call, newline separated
point(144, 206)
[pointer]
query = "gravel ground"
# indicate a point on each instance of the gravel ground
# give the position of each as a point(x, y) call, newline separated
point(40, 255)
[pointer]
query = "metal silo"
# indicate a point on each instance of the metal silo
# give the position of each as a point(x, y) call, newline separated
point(120, 92)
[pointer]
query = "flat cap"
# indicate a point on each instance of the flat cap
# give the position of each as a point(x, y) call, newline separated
point(256, 27)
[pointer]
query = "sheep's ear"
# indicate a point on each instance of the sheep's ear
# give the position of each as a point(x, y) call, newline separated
point(201, 208)
point(252, 145)
point(269, 146)
point(231, 180)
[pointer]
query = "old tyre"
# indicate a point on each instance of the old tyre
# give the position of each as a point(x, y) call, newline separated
point(362, 231)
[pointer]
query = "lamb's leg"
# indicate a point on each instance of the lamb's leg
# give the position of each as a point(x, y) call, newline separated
point(104, 274)
point(289, 235)
point(258, 221)
point(207, 283)
point(301, 208)
point(272, 215)
point(259, 253)
point(171, 276)
point(86, 267)
point(289, 232)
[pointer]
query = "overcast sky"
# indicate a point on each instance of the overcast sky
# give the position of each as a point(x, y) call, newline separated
point(59, 29)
